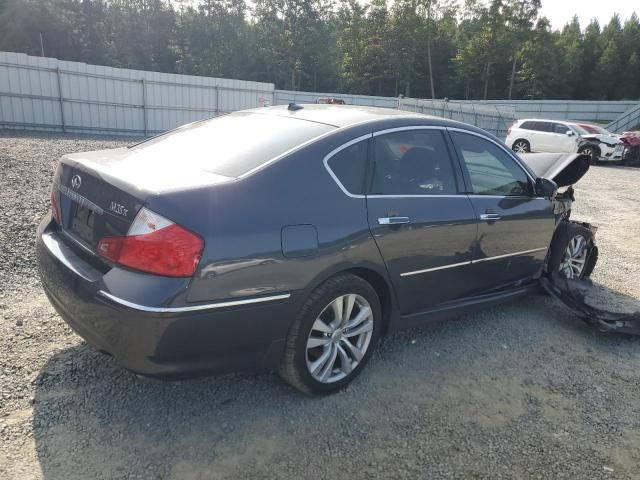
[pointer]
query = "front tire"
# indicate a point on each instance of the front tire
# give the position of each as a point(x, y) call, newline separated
point(593, 153)
point(571, 247)
point(333, 336)
point(521, 146)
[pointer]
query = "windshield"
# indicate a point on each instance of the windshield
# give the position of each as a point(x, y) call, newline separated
point(580, 130)
point(602, 131)
point(233, 144)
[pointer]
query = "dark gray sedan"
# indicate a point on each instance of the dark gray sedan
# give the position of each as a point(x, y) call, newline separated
point(294, 237)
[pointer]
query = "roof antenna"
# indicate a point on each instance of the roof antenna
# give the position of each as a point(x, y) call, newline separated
point(293, 106)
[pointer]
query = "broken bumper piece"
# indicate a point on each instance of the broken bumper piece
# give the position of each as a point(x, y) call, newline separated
point(572, 293)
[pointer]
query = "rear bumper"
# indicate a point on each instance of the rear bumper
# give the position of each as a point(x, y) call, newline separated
point(166, 339)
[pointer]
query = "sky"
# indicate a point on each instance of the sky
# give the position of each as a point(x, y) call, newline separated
point(561, 12)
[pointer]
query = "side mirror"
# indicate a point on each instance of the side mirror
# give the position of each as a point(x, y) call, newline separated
point(570, 133)
point(546, 187)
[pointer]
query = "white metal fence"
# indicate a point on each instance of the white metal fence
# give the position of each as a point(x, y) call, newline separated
point(39, 93)
point(584, 110)
point(493, 118)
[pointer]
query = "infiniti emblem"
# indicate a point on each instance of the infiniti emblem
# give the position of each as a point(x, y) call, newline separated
point(76, 181)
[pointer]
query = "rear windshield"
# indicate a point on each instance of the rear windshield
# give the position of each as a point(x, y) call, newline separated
point(234, 144)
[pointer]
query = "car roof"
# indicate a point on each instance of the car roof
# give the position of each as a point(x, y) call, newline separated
point(339, 115)
point(522, 120)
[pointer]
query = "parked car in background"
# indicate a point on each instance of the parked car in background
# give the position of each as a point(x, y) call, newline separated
point(330, 101)
point(295, 237)
point(631, 141)
point(542, 136)
point(609, 149)
point(555, 136)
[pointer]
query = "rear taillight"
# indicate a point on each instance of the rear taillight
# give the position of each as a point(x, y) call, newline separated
point(155, 245)
point(55, 210)
point(509, 130)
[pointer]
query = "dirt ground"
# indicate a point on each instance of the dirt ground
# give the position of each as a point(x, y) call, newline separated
point(523, 390)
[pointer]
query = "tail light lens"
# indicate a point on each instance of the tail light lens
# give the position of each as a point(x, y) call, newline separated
point(154, 244)
point(55, 210)
point(509, 130)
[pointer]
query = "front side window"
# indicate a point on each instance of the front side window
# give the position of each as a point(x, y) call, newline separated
point(412, 162)
point(559, 128)
point(490, 169)
point(349, 165)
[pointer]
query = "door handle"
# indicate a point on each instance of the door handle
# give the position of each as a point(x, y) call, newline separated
point(393, 220)
point(490, 217)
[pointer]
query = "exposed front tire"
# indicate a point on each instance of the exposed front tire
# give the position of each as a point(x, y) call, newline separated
point(572, 251)
point(521, 146)
point(333, 336)
point(593, 153)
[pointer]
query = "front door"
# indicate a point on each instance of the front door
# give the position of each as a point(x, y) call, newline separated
point(425, 229)
point(514, 225)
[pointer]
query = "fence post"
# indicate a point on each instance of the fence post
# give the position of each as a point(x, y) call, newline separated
point(61, 99)
point(217, 90)
point(144, 107)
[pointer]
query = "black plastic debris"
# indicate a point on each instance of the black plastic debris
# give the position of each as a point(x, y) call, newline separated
point(572, 293)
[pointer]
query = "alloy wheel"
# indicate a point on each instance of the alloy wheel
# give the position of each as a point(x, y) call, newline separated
point(521, 147)
point(339, 338)
point(574, 258)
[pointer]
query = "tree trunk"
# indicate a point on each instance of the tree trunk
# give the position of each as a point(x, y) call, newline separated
point(513, 74)
point(486, 79)
point(433, 94)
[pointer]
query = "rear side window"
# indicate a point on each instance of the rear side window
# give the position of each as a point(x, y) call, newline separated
point(491, 170)
point(543, 127)
point(528, 126)
point(412, 162)
point(349, 165)
point(230, 145)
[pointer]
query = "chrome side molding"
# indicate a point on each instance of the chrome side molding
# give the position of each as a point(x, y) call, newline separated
point(193, 308)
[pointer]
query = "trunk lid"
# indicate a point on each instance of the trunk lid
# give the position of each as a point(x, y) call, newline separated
point(100, 193)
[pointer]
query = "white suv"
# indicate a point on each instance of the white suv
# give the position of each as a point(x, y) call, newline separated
point(533, 135)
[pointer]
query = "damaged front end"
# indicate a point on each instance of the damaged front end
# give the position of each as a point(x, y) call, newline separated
point(573, 254)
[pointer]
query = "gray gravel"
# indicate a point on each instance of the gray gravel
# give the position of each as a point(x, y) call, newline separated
point(523, 390)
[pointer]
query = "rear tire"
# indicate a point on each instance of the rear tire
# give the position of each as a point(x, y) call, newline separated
point(345, 340)
point(521, 146)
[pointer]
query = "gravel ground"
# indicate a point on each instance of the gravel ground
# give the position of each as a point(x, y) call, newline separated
point(523, 390)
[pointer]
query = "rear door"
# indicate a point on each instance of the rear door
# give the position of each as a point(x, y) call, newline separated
point(545, 139)
point(514, 225)
point(562, 140)
point(424, 227)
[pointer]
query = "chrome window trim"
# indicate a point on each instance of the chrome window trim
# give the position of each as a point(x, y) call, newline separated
point(193, 308)
point(461, 195)
point(471, 262)
point(337, 150)
point(408, 128)
point(499, 145)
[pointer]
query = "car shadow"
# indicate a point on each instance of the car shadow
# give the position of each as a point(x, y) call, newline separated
point(93, 419)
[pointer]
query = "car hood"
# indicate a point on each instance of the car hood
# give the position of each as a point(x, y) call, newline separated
point(563, 168)
point(609, 140)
